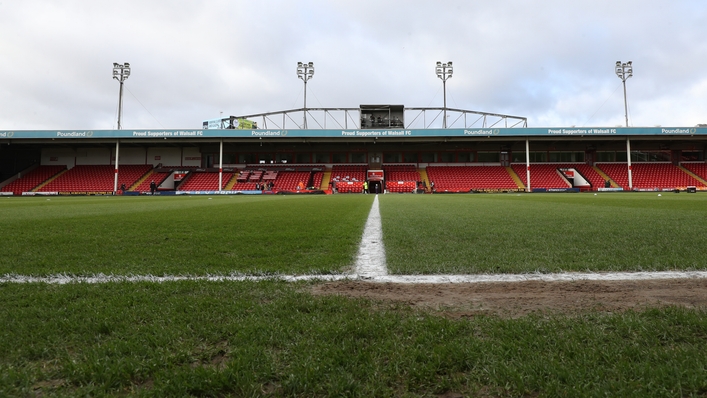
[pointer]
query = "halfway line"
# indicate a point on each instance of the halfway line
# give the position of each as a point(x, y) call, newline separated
point(371, 253)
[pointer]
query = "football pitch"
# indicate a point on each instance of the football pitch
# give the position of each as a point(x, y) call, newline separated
point(288, 234)
point(272, 338)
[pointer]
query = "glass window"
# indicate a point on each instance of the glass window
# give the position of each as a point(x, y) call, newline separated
point(447, 157)
point(650, 156)
point(518, 157)
point(566, 156)
point(286, 157)
point(267, 157)
point(320, 157)
point(410, 157)
point(606, 156)
point(662, 156)
point(358, 157)
point(537, 157)
point(246, 158)
point(303, 158)
point(391, 157)
point(621, 156)
point(692, 156)
point(338, 158)
point(428, 157)
point(465, 157)
point(228, 158)
point(486, 157)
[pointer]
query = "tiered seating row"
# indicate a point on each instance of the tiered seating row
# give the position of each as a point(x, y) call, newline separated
point(94, 178)
point(404, 172)
point(244, 186)
point(649, 175)
point(288, 180)
point(349, 178)
point(317, 178)
point(699, 169)
point(204, 181)
point(348, 173)
point(157, 177)
point(349, 187)
point(542, 175)
point(401, 186)
point(467, 178)
point(32, 179)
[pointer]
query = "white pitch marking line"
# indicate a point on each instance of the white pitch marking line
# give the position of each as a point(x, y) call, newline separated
point(370, 261)
point(410, 279)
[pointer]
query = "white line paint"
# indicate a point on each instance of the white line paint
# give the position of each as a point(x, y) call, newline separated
point(370, 261)
point(412, 279)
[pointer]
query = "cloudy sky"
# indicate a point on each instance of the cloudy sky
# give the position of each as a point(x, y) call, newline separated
point(550, 61)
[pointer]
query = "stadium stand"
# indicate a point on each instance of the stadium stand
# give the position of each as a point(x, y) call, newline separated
point(95, 178)
point(617, 172)
point(32, 179)
point(589, 174)
point(317, 178)
point(467, 178)
point(661, 176)
point(699, 169)
point(349, 177)
point(288, 180)
point(204, 181)
point(403, 172)
point(401, 178)
point(348, 172)
point(649, 175)
point(243, 186)
point(542, 175)
point(546, 175)
point(157, 177)
point(349, 187)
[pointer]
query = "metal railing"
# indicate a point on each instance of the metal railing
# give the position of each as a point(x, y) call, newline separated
point(350, 118)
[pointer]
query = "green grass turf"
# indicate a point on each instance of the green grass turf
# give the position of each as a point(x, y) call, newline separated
point(181, 235)
point(423, 234)
point(517, 233)
point(273, 338)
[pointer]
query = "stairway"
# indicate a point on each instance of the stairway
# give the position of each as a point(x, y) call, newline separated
point(693, 175)
point(325, 180)
point(38, 187)
point(140, 181)
point(605, 177)
point(424, 178)
point(515, 177)
point(229, 185)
